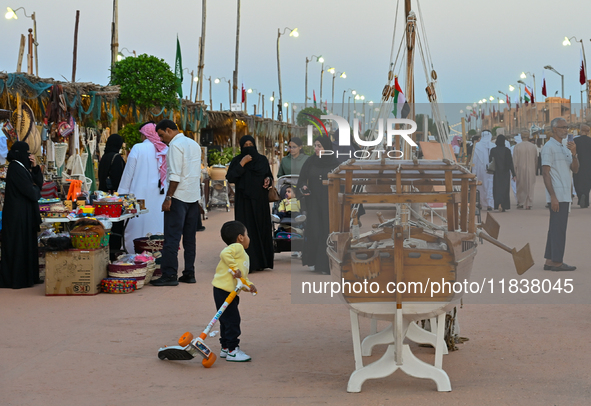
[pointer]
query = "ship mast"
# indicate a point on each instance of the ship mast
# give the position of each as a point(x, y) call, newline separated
point(410, 32)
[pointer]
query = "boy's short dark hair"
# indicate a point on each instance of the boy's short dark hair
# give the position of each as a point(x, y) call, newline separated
point(166, 123)
point(231, 230)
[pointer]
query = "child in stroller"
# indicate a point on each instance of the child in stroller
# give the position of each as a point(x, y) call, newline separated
point(287, 217)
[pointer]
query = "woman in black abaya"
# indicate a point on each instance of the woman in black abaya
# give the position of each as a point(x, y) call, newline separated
point(110, 171)
point(314, 171)
point(21, 219)
point(503, 171)
point(251, 173)
point(111, 165)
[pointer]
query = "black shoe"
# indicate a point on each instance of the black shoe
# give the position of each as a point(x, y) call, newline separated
point(201, 229)
point(563, 267)
point(165, 281)
point(187, 279)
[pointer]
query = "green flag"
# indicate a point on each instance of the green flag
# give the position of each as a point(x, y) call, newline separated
point(178, 68)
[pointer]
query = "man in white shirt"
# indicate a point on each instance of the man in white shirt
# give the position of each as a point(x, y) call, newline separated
point(181, 204)
point(557, 163)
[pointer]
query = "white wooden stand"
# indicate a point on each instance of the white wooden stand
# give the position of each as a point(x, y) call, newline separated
point(398, 355)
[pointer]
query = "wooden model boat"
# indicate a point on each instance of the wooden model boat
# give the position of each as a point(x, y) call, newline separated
point(406, 250)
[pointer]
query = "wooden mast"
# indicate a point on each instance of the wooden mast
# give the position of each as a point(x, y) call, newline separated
point(410, 33)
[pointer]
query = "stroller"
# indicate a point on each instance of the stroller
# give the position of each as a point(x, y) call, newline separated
point(218, 194)
point(288, 232)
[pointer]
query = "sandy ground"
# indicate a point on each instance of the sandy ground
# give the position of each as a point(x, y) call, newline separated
point(101, 350)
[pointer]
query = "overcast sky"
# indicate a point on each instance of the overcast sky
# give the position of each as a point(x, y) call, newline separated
point(478, 47)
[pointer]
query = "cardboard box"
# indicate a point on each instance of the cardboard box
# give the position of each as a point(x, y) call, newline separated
point(75, 272)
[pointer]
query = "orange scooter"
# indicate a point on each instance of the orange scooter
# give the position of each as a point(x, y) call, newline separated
point(189, 347)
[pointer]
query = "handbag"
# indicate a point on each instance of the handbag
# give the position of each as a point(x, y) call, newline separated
point(490, 168)
point(273, 194)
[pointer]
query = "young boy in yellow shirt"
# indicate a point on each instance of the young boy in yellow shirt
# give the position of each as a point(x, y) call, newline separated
point(232, 257)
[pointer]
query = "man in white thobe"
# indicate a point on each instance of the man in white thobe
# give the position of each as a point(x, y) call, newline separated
point(145, 177)
point(512, 148)
point(525, 159)
point(481, 156)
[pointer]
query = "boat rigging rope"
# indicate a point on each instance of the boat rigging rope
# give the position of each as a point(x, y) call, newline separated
point(394, 34)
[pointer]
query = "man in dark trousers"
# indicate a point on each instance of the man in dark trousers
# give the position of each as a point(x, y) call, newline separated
point(181, 206)
point(557, 163)
point(582, 178)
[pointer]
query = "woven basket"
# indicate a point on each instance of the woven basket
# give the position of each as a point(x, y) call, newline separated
point(89, 241)
point(150, 271)
point(136, 272)
point(118, 285)
point(150, 244)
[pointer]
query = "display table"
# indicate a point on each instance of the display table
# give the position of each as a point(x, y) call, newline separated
point(124, 218)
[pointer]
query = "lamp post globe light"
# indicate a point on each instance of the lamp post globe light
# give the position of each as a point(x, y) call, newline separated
point(292, 33)
point(11, 15)
point(319, 59)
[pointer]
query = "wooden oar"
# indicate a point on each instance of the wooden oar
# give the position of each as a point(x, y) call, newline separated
point(491, 226)
point(523, 259)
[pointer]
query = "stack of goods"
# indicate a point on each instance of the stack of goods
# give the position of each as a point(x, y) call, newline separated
point(139, 267)
point(114, 205)
point(89, 234)
point(118, 285)
point(52, 208)
point(107, 205)
point(130, 204)
point(152, 244)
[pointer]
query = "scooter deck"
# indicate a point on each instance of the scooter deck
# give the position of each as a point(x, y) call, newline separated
point(174, 353)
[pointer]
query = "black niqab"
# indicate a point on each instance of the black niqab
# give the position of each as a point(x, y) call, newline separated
point(251, 181)
point(20, 152)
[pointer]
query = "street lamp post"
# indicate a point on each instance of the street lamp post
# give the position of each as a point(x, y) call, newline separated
point(348, 101)
point(558, 73)
point(318, 59)
point(11, 14)
point(250, 90)
point(292, 33)
point(321, 76)
point(218, 80)
point(566, 42)
point(334, 75)
point(210, 99)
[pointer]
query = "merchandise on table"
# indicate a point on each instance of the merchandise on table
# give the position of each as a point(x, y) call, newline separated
point(114, 205)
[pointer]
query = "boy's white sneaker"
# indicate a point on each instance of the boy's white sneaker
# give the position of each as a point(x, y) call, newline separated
point(237, 356)
point(223, 353)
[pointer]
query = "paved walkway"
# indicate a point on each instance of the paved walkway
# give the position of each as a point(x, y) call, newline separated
point(101, 350)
